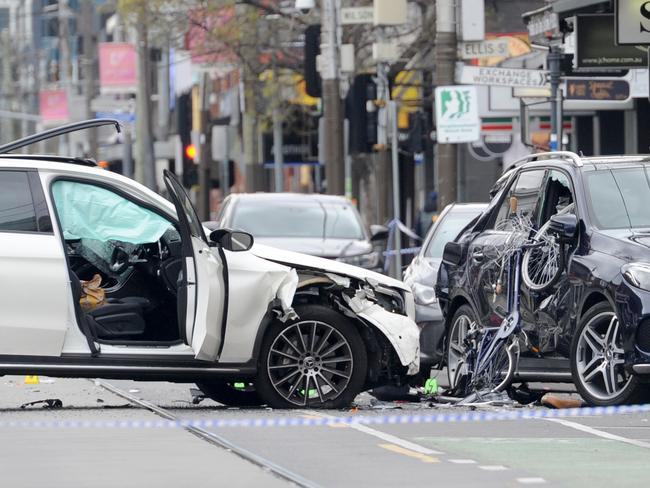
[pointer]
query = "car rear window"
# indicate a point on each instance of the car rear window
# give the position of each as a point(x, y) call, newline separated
point(17, 211)
point(264, 218)
point(619, 198)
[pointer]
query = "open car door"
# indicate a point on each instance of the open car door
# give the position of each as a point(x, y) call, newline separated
point(201, 314)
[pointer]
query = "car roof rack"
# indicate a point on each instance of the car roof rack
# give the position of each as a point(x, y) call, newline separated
point(57, 159)
point(573, 157)
point(58, 131)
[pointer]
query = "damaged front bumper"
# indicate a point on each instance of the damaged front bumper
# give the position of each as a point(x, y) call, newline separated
point(400, 330)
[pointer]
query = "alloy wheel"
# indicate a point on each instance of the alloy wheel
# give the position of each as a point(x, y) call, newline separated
point(600, 357)
point(310, 362)
point(457, 354)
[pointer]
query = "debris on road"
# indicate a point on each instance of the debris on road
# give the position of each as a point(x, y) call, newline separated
point(555, 401)
point(52, 403)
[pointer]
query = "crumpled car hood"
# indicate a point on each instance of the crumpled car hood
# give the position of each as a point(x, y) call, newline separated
point(316, 246)
point(295, 259)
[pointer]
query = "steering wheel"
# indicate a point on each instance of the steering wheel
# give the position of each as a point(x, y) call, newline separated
point(119, 260)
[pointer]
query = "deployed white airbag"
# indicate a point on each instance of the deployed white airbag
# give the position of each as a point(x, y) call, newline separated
point(91, 212)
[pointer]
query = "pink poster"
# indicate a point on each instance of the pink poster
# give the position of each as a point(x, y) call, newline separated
point(118, 68)
point(54, 105)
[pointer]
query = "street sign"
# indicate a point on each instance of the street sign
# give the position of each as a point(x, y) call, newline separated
point(357, 15)
point(632, 22)
point(543, 26)
point(497, 76)
point(457, 117)
point(520, 92)
point(597, 89)
point(484, 49)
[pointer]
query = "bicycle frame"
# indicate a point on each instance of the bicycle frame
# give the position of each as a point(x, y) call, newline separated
point(493, 338)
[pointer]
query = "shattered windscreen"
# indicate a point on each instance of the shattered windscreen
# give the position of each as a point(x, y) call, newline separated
point(91, 212)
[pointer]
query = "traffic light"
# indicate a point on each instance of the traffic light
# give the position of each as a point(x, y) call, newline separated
point(363, 123)
point(184, 125)
point(190, 152)
point(313, 85)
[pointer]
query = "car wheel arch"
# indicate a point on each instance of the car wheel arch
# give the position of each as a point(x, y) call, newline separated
point(591, 299)
point(457, 302)
point(371, 336)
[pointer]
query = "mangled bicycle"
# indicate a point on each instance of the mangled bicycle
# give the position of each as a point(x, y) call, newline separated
point(483, 358)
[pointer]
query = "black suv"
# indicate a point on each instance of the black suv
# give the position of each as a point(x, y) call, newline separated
point(598, 313)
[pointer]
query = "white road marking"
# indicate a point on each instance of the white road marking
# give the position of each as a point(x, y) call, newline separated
point(493, 467)
point(600, 433)
point(382, 435)
point(531, 481)
point(462, 461)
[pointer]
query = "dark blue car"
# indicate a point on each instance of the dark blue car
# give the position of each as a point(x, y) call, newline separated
point(597, 314)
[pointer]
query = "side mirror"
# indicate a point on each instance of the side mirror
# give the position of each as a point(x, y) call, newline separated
point(453, 253)
point(378, 233)
point(232, 240)
point(564, 226)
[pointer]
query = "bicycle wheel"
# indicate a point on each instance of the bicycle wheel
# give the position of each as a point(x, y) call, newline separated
point(542, 266)
point(498, 375)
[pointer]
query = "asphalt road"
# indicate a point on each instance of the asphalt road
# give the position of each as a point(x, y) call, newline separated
point(582, 451)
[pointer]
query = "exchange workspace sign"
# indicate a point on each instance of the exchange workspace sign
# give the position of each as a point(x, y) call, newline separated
point(497, 76)
point(457, 117)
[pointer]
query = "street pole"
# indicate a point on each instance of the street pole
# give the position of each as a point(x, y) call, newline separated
point(348, 159)
point(88, 62)
point(396, 203)
point(278, 154)
point(163, 92)
point(445, 56)
point(8, 133)
point(65, 71)
point(127, 158)
point(204, 152)
point(554, 58)
point(144, 155)
point(225, 165)
point(332, 106)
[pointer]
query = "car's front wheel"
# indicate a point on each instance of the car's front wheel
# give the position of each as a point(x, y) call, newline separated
point(318, 360)
point(598, 359)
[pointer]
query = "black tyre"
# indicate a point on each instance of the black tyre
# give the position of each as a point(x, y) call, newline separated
point(462, 322)
point(597, 360)
point(316, 361)
point(231, 393)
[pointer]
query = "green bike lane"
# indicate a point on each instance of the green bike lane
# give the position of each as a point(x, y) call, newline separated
point(609, 452)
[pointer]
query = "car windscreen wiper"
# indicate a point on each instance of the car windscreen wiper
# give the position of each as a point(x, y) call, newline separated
point(58, 131)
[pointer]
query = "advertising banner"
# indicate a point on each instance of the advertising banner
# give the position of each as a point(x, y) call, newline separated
point(596, 48)
point(633, 22)
point(118, 67)
point(53, 106)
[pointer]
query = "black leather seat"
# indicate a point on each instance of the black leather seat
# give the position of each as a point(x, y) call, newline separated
point(118, 318)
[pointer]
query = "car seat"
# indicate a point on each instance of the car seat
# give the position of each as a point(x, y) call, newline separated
point(118, 318)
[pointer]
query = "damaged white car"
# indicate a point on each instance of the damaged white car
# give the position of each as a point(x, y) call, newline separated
point(102, 277)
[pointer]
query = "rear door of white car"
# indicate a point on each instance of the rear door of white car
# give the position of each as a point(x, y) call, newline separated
point(33, 273)
point(204, 278)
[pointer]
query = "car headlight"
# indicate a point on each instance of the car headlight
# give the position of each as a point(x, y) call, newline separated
point(637, 275)
point(423, 294)
point(370, 260)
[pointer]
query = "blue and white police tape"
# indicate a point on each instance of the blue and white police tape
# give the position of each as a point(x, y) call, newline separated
point(408, 250)
point(318, 421)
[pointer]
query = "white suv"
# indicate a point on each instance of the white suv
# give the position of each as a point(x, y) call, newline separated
point(249, 324)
